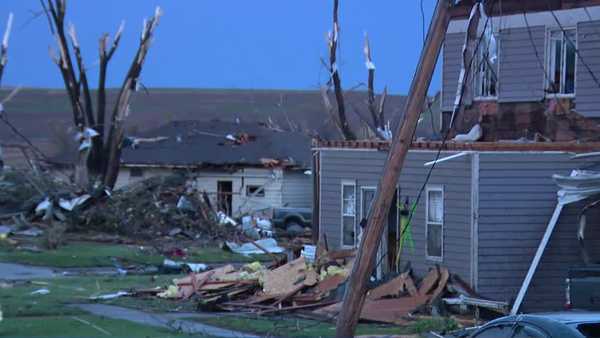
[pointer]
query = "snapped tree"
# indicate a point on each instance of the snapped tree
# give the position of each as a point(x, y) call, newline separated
point(100, 136)
point(338, 114)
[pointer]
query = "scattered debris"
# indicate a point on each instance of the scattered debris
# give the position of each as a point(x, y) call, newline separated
point(43, 291)
point(184, 266)
point(111, 296)
point(267, 245)
point(473, 135)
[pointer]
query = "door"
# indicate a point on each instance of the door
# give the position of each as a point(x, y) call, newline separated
point(225, 196)
point(366, 200)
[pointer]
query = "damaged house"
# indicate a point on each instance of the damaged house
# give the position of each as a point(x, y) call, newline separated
point(536, 74)
point(242, 166)
point(490, 204)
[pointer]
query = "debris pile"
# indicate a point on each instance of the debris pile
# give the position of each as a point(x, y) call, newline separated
point(317, 289)
point(157, 206)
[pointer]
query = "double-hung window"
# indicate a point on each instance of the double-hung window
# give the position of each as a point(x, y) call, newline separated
point(434, 222)
point(561, 62)
point(348, 213)
point(486, 68)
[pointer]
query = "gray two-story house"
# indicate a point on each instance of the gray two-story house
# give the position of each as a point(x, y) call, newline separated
point(536, 71)
point(484, 210)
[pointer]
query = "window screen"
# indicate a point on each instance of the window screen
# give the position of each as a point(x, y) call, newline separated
point(348, 214)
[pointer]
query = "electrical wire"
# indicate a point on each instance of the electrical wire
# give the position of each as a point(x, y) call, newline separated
point(583, 62)
point(447, 133)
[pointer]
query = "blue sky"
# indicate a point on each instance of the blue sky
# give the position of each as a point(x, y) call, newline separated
point(275, 44)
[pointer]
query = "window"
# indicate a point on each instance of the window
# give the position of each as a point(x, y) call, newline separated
point(434, 226)
point(486, 68)
point(496, 331)
point(136, 172)
point(561, 62)
point(255, 191)
point(348, 213)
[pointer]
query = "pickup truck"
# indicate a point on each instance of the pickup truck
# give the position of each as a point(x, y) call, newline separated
point(287, 217)
point(583, 288)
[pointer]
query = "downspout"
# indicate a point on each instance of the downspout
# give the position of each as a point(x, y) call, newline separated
point(475, 221)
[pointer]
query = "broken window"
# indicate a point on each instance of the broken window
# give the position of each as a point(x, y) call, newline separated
point(255, 191)
point(561, 62)
point(348, 213)
point(136, 172)
point(434, 216)
point(486, 68)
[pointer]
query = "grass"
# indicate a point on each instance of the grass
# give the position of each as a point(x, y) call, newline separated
point(312, 328)
point(17, 301)
point(217, 255)
point(89, 254)
point(27, 315)
point(82, 255)
point(79, 326)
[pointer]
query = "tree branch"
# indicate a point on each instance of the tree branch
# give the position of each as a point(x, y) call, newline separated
point(4, 46)
point(335, 76)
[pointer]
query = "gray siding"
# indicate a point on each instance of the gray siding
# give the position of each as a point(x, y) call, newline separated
point(452, 55)
point(517, 197)
point(365, 168)
point(521, 77)
point(587, 91)
point(297, 189)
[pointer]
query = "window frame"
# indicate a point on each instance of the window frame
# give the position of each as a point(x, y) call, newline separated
point(352, 184)
point(476, 78)
point(428, 189)
point(550, 61)
point(260, 194)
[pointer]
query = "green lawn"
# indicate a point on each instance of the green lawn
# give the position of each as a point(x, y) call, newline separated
point(89, 254)
point(290, 327)
point(79, 326)
point(27, 315)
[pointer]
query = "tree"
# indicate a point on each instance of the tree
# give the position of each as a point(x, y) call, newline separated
point(100, 137)
point(377, 123)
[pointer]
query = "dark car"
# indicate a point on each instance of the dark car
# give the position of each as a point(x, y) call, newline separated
point(287, 218)
point(570, 324)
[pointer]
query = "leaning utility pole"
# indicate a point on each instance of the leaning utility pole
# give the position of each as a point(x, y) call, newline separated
point(365, 258)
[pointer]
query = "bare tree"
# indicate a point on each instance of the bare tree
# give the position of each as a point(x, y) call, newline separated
point(376, 122)
point(4, 46)
point(99, 140)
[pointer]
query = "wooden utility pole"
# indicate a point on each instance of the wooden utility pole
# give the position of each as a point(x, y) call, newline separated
point(365, 259)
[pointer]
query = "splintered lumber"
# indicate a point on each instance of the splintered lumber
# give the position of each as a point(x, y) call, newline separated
point(394, 287)
point(329, 284)
point(429, 281)
point(283, 280)
point(443, 280)
point(356, 291)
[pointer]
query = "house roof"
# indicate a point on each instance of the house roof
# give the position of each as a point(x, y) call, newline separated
point(462, 8)
point(218, 143)
point(474, 146)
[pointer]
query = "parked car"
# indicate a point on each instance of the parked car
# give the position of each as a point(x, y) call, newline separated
point(569, 324)
point(287, 218)
point(583, 288)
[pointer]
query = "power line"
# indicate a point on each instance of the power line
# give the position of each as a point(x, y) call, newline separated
point(447, 133)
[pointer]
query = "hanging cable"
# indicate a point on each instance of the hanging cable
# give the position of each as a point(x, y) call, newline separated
point(574, 46)
point(447, 133)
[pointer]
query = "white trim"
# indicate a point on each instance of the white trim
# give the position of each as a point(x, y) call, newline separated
point(486, 98)
point(547, 62)
point(320, 198)
point(567, 17)
point(456, 151)
point(475, 221)
point(347, 183)
point(444, 159)
point(359, 219)
point(440, 188)
point(537, 258)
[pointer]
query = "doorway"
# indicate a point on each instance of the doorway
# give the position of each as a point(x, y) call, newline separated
point(225, 196)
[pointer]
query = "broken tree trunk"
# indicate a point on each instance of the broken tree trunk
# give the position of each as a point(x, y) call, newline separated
point(364, 264)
